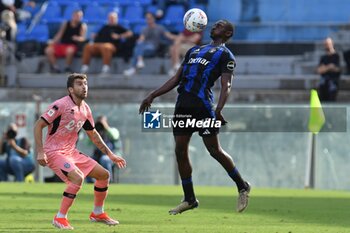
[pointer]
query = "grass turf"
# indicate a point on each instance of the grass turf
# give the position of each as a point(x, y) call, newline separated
point(142, 208)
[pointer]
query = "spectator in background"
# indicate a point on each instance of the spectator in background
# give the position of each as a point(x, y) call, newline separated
point(65, 42)
point(346, 56)
point(107, 41)
point(182, 43)
point(9, 25)
point(111, 137)
point(15, 6)
point(250, 11)
point(329, 69)
point(147, 44)
point(164, 4)
point(10, 5)
point(19, 161)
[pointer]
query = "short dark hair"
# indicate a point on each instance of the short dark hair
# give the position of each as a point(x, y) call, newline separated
point(74, 76)
point(229, 27)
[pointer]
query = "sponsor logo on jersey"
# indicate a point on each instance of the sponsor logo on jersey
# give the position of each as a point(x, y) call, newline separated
point(213, 50)
point(198, 60)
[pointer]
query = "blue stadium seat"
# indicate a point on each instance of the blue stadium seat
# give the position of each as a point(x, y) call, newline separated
point(64, 2)
point(39, 33)
point(126, 2)
point(179, 27)
point(21, 32)
point(92, 28)
point(319, 11)
point(272, 11)
point(144, 2)
point(152, 9)
point(53, 13)
point(125, 23)
point(134, 13)
point(137, 28)
point(173, 15)
point(115, 8)
point(94, 13)
point(199, 6)
point(83, 2)
point(224, 9)
point(69, 9)
point(53, 28)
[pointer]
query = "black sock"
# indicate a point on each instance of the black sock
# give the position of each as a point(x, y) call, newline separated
point(236, 177)
point(187, 187)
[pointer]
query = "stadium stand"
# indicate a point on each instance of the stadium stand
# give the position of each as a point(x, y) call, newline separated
point(69, 8)
point(95, 13)
point(278, 50)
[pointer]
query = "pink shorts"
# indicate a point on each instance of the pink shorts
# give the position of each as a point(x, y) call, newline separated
point(62, 164)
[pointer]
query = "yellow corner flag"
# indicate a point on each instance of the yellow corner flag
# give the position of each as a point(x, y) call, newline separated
point(316, 118)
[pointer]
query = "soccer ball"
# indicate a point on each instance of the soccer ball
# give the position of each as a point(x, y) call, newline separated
point(195, 20)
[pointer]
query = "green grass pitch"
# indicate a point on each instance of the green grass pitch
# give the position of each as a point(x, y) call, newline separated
point(143, 208)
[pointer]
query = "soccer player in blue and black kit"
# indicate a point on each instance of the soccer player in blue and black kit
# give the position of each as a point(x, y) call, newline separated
point(201, 67)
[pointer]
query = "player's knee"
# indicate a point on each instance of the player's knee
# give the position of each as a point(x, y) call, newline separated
point(214, 152)
point(76, 177)
point(104, 175)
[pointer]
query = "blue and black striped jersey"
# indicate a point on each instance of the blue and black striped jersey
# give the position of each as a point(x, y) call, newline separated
point(202, 66)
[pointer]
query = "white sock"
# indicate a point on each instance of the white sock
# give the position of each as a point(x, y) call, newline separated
point(98, 210)
point(60, 215)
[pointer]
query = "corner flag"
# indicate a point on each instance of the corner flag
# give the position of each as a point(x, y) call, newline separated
point(316, 118)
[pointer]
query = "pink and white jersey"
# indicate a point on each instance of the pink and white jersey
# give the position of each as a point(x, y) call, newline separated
point(65, 119)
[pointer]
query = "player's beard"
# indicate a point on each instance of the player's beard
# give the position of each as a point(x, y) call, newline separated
point(81, 95)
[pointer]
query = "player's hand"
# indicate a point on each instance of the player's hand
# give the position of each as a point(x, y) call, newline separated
point(42, 159)
point(220, 117)
point(146, 104)
point(121, 163)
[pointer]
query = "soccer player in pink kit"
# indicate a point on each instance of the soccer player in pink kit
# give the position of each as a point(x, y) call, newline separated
point(64, 118)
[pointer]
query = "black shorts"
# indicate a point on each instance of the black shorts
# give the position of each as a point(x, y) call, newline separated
point(190, 109)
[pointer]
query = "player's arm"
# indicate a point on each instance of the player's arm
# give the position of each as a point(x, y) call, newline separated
point(166, 87)
point(96, 138)
point(226, 83)
point(38, 138)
